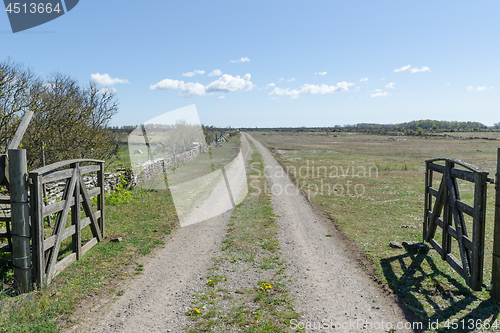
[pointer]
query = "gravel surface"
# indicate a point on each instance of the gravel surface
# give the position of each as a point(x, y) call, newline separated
point(327, 283)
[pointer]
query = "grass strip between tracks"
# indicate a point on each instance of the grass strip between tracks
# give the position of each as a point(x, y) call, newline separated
point(246, 288)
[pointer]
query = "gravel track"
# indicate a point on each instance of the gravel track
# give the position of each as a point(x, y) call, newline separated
point(327, 283)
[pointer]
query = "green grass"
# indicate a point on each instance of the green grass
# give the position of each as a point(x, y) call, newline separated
point(251, 243)
point(388, 206)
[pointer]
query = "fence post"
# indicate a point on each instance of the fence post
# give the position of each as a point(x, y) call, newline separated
point(36, 202)
point(75, 215)
point(495, 276)
point(21, 256)
point(100, 199)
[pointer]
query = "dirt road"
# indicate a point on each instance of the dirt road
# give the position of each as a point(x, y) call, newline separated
point(326, 284)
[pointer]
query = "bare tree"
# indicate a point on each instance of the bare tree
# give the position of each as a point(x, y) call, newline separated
point(69, 121)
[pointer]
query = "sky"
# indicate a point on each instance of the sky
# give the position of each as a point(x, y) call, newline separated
point(277, 63)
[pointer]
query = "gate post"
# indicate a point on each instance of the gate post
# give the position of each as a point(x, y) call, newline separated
point(21, 256)
point(495, 276)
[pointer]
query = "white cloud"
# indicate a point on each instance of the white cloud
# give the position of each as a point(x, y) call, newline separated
point(105, 79)
point(478, 88)
point(107, 91)
point(271, 85)
point(245, 59)
point(320, 73)
point(291, 80)
point(193, 73)
point(363, 80)
point(390, 85)
point(380, 93)
point(226, 83)
point(312, 89)
point(447, 84)
point(215, 72)
point(382, 79)
point(221, 97)
point(423, 69)
point(281, 79)
point(402, 69)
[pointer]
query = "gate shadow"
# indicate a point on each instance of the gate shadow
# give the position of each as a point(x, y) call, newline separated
point(447, 301)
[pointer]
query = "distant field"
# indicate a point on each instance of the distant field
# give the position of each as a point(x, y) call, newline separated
point(373, 188)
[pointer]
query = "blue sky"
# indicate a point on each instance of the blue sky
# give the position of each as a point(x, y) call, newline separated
point(142, 49)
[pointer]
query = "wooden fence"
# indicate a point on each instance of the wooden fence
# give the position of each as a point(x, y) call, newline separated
point(446, 200)
point(45, 250)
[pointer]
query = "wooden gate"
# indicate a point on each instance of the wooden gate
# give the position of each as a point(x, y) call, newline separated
point(46, 250)
point(447, 201)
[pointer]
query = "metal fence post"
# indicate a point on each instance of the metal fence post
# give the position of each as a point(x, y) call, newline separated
point(495, 276)
point(21, 256)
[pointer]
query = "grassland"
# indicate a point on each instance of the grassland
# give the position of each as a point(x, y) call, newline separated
point(372, 188)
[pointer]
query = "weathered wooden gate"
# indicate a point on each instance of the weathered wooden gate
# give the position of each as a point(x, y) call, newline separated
point(447, 201)
point(46, 250)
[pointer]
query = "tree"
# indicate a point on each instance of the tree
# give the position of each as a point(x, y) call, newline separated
point(69, 121)
point(497, 125)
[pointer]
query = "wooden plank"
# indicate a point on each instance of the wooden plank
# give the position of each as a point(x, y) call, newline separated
point(478, 226)
point(459, 226)
point(436, 167)
point(76, 242)
point(426, 200)
point(455, 264)
point(467, 243)
point(49, 242)
point(445, 237)
point(86, 221)
point(436, 211)
point(5, 201)
point(93, 192)
point(38, 253)
point(465, 208)
point(55, 207)
point(100, 199)
point(69, 231)
point(463, 174)
point(452, 232)
point(89, 168)
point(58, 206)
point(63, 264)
point(436, 246)
point(58, 229)
point(5, 219)
point(433, 192)
point(90, 244)
point(54, 166)
point(87, 206)
point(55, 176)
point(18, 136)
